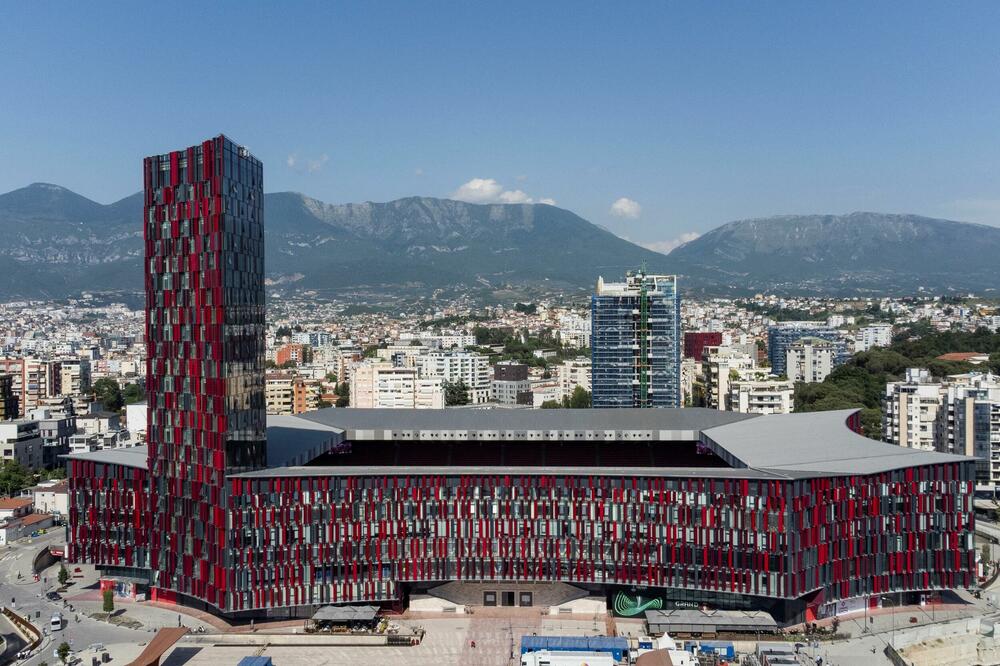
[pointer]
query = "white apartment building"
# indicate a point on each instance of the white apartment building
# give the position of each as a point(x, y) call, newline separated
point(809, 360)
point(74, 376)
point(385, 386)
point(969, 421)
point(910, 411)
point(762, 396)
point(720, 366)
point(460, 366)
point(572, 373)
point(876, 335)
point(574, 330)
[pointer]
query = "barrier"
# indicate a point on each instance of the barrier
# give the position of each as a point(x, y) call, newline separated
point(28, 631)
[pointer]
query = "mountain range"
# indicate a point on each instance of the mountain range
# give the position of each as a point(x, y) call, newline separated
point(58, 243)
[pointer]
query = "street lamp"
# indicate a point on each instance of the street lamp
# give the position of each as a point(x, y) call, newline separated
point(892, 641)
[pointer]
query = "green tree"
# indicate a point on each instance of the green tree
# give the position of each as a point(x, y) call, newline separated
point(456, 393)
point(343, 392)
point(13, 477)
point(63, 575)
point(63, 651)
point(579, 399)
point(323, 404)
point(133, 393)
point(109, 601)
point(107, 392)
point(552, 404)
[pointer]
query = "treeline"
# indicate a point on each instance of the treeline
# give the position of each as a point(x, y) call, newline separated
point(861, 381)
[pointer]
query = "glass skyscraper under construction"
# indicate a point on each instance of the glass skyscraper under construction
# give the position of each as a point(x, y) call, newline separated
point(635, 342)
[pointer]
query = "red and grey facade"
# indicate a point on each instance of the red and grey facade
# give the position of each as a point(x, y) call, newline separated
point(253, 517)
point(670, 503)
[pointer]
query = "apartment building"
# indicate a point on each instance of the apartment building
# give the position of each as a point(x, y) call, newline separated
point(810, 359)
point(720, 366)
point(762, 396)
point(385, 386)
point(572, 373)
point(910, 411)
point(510, 380)
point(289, 394)
point(470, 368)
point(21, 442)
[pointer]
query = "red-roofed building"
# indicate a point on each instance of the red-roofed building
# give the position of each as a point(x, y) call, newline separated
point(15, 507)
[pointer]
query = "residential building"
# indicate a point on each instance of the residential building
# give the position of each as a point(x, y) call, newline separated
point(910, 411)
point(15, 507)
point(636, 342)
point(8, 400)
point(509, 380)
point(21, 442)
point(74, 376)
point(969, 422)
point(290, 353)
point(696, 341)
point(573, 372)
point(781, 336)
point(810, 360)
point(51, 497)
point(470, 368)
point(762, 396)
point(574, 330)
point(876, 335)
point(722, 365)
point(290, 394)
point(385, 386)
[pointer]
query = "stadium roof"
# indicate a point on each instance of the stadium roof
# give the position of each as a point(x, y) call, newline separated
point(756, 447)
point(812, 444)
point(671, 420)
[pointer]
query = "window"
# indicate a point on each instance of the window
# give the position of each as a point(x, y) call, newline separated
point(524, 599)
point(489, 598)
point(507, 599)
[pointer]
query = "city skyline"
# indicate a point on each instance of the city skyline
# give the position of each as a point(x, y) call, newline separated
point(679, 111)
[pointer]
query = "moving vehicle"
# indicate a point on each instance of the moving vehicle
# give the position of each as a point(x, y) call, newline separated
point(56, 623)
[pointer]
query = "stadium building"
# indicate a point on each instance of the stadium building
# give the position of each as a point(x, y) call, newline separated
point(648, 508)
point(254, 516)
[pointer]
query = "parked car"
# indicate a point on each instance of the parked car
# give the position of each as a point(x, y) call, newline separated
point(53, 596)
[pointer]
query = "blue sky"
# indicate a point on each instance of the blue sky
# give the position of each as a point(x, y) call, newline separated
point(657, 120)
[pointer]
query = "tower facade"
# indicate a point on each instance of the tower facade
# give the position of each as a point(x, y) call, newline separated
point(635, 342)
point(204, 268)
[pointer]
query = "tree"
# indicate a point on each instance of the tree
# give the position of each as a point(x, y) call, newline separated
point(109, 601)
point(552, 404)
point(63, 575)
point(133, 393)
point(63, 651)
point(456, 393)
point(323, 404)
point(343, 392)
point(579, 399)
point(107, 392)
point(13, 477)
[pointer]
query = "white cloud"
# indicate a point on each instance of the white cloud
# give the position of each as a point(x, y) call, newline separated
point(514, 196)
point(625, 207)
point(667, 246)
point(488, 190)
point(310, 165)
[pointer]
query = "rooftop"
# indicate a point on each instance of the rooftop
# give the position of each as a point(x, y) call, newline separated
point(786, 446)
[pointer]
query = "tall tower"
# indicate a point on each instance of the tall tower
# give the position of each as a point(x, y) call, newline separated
point(635, 342)
point(204, 275)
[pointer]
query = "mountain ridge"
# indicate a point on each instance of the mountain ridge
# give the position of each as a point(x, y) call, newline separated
point(60, 242)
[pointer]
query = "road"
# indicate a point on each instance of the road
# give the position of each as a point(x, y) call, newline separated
point(28, 598)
